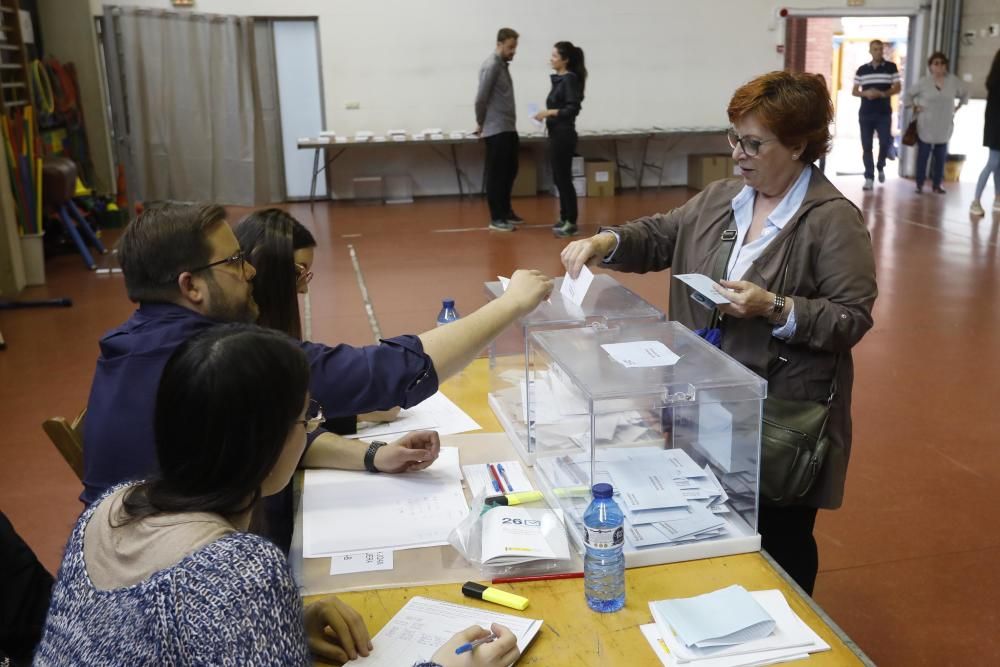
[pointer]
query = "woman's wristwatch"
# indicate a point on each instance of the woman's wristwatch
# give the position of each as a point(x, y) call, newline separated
point(778, 307)
point(370, 455)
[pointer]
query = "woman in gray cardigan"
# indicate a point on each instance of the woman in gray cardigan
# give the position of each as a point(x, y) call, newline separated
point(933, 102)
point(800, 278)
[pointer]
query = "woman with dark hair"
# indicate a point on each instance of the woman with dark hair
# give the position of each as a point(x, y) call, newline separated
point(933, 102)
point(162, 571)
point(282, 251)
point(991, 139)
point(795, 262)
point(562, 108)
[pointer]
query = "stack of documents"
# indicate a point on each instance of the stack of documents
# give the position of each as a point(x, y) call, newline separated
point(514, 535)
point(423, 625)
point(347, 510)
point(729, 628)
point(437, 413)
point(667, 499)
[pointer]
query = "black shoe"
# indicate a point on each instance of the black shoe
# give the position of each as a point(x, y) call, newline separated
point(501, 226)
point(939, 190)
point(881, 176)
point(920, 190)
point(514, 218)
point(565, 229)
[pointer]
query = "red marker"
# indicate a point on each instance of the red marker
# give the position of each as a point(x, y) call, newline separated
point(541, 577)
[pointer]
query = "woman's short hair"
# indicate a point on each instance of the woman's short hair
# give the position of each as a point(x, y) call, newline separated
point(795, 107)
point(227, 400)
point(938, 55)
point(269, 238)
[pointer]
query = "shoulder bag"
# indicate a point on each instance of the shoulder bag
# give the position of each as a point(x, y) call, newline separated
point(793, 439)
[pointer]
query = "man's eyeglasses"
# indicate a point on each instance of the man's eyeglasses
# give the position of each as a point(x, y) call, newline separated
point(238, 260)
point(750, 146)
point(314, 422)
point(302, 275)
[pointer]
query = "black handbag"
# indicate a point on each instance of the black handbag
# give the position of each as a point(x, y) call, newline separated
point(793, 438)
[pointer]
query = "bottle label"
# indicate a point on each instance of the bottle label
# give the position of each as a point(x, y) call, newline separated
point(605, 538)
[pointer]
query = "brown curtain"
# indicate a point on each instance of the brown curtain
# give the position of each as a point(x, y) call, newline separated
point(201, 97)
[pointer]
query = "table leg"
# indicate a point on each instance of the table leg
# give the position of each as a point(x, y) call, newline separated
point(312, 186)
point(458, 171)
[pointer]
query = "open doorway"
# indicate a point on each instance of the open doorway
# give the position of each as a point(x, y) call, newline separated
point(835, 46)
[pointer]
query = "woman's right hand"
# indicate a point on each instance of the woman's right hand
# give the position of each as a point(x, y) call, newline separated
point(500, 652)
point(586, 251)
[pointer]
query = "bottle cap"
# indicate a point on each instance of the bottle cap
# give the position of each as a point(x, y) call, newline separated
point(602, 490)
point(448, 303)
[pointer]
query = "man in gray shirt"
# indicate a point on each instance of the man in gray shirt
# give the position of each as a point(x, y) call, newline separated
point(496, 122)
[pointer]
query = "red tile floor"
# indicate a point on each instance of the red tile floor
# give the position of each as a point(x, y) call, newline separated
point(906, 566)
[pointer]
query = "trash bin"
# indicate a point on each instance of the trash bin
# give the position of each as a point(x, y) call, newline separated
point(953, 167)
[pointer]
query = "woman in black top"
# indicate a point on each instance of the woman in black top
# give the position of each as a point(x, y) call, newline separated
point(562, 107)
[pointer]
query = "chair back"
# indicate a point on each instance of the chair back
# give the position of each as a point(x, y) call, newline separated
point(68, 439)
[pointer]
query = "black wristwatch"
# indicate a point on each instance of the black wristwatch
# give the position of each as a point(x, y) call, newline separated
point(370, 455)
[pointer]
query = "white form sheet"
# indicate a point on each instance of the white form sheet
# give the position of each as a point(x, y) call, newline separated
point(423, 625)
point(575, 291)
point(704, 286)
point(436, 413)
point(399, 511)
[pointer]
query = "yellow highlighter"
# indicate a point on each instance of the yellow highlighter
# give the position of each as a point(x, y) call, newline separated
point(513, 498)
point(473, 590)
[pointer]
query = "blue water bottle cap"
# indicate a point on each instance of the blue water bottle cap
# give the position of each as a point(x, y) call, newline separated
point(603, 490)
point(448, 303)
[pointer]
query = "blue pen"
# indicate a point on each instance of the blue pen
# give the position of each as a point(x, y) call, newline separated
point(506, 480)
point(490, 474)
point(471, 645)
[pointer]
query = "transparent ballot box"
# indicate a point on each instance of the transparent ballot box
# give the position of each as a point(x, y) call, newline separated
point(670, 421)
point(607, 302)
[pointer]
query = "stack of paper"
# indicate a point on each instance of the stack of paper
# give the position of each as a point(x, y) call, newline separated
point(514, 535)
point(437, 413)
point(423, 625)
point(347, 510)
point(666, 497)
point(729, 628)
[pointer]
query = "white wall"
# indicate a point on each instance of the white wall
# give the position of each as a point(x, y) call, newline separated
point(412, 65)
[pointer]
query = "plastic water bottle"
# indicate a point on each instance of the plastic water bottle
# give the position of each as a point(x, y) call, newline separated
point(604, 563)
point(448, 312)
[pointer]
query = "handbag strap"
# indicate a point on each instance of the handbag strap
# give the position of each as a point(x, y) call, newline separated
point(727, 243)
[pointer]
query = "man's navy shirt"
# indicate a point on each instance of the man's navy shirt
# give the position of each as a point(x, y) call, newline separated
point(118, 442)
point(881, 78)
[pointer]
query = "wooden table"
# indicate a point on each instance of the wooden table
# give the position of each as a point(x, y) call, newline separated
point(575, 635)
point(325, 153)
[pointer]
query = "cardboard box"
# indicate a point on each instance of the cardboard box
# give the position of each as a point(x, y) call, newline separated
point(526, 183)
point(600, 179)
point(704, 169)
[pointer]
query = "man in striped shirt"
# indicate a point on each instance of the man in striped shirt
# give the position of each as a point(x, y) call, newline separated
point(875, 83)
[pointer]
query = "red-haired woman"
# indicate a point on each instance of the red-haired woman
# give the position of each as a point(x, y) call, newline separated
point(800, 276)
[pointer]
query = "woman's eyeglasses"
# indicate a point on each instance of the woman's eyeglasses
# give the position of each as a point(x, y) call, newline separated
point(302, 274)
point(317, 419)
point(749, 145)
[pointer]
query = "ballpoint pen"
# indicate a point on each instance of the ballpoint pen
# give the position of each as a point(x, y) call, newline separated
point(473, 644)
point(493, 478)
point(506, 480)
